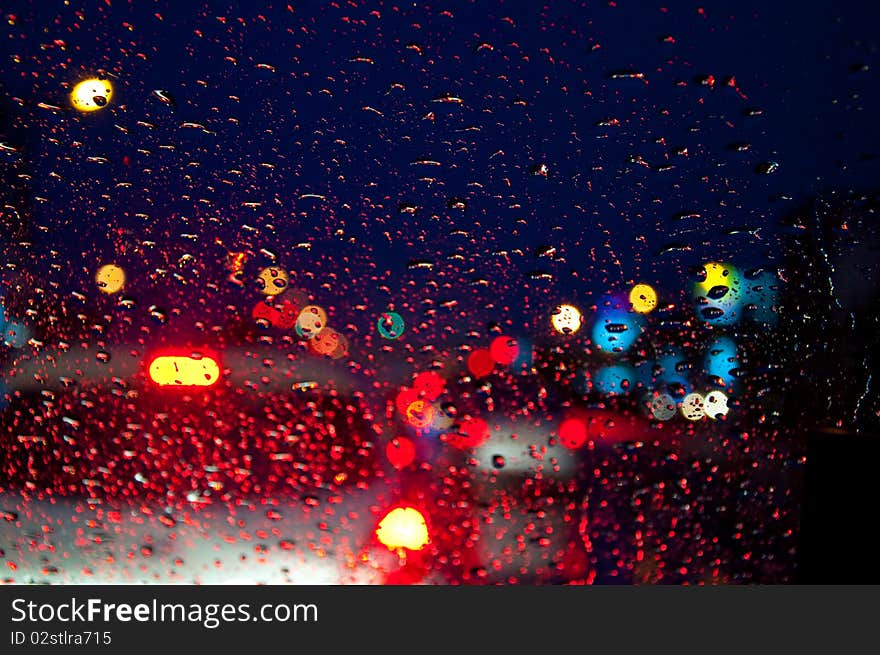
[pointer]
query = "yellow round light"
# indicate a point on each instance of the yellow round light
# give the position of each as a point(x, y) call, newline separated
point(566, 319)
point(91, 95)
point(643, 298)
point(403, 527)
point(110, 278)
point(717, 275)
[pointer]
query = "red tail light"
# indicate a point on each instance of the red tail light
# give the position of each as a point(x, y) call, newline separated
point(403, 527)
point(184, 371)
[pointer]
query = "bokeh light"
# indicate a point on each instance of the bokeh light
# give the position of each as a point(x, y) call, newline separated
point(403, 527)
point(390, 325)
point(661, 406)
point(615, 331)
point(430, 384)
point(184, 371)
point(470, 432)
point(401, 452)
point(326, 342)
point(272, 281)
point(613, 380)
point(420, 413)
point(573, 433)
point(566, 319)
point(480, 363)
point(693, 407)
point(718, 295)
point(110, 278)
point(720, 361)
point(91, 95)
point(15, 334)
point(716, 405)
point(504, 350)
point(311, 320)
point(643, 298)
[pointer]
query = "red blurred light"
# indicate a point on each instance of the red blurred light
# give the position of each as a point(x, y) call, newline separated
point(184, 371)
point(471, 433)
point(282, 314)
point(429, 384)
point(400, 452)
point(573, 433)
point(480, 363)
point(504, 350)
point(405, 398)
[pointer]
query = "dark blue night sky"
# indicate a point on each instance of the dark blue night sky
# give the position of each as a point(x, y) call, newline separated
point(342, 113)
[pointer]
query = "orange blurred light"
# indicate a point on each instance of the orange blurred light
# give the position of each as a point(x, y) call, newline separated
point(184, 371)
point(419, 414)
point(403, 527)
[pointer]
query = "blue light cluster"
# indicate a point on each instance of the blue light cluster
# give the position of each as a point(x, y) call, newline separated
point(614, 380)
point(720, 362)
point(616, 328)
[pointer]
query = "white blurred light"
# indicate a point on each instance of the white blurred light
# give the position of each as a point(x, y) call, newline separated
point(692, 407)
point(716, 405)
point(662, 407)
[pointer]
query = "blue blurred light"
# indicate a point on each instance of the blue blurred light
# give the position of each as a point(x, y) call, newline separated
point(390, 325)
point(15, 335)
point(718, 299)
point(721, 360)
point(613, 380)
point(616, 327)
point(670, 376)
point(644, 374)
point(525, 357)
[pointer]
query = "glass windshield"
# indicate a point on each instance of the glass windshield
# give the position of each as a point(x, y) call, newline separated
point(489, 293)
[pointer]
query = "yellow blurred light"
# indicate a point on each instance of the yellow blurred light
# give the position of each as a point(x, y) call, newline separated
point(272, 280)
point(717, 275)
point(643, 298)
point(403, 527)
point(180, 371)
point(566, 319)
point(110, 278)
point(91, 95)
